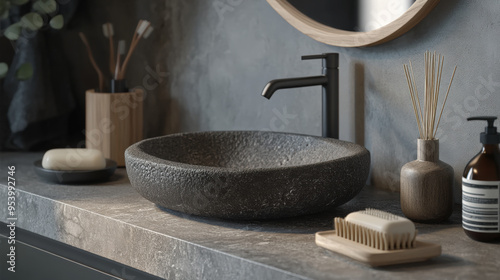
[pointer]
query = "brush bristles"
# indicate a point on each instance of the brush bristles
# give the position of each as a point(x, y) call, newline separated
point(143, 26)
point(121, 47)
point(148, 32)
point(107, 30)
point(380, 214)
point(372, 238)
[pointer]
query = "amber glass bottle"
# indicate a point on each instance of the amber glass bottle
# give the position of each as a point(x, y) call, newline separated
point(481, 188)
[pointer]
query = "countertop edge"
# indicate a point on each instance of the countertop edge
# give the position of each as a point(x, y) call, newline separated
point(163, 256)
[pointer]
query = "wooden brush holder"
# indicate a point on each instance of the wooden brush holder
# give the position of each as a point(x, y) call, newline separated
point(427, 185)
point(113, 122)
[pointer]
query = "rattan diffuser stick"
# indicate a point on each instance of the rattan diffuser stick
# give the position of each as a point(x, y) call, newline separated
point(426, 117)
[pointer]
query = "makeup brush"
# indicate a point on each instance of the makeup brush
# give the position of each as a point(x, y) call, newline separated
point(107, 30)
point(92, 60)
point(143, 29)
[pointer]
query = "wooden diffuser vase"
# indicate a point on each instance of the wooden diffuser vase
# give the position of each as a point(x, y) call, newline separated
point(427, 185)
point(113, 122)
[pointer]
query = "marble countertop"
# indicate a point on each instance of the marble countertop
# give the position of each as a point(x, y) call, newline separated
point(113, 221)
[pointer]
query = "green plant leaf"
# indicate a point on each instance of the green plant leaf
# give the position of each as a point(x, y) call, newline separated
point(4, 8)
point(45, 6)
point(3, 69)
point(57, 22)
point(4, 4)
point(4, 15)
point(12, 32)
point(19, 2)
point(32, 21)
point(24, 72)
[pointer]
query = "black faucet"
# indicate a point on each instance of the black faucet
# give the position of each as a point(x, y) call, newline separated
point(330, 83)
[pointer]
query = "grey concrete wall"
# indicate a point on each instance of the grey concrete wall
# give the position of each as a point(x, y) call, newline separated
point(220, 53)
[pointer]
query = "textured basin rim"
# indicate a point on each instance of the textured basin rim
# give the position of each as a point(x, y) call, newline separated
point(137, 152)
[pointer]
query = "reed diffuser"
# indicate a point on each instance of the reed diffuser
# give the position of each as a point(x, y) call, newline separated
point(427, 183)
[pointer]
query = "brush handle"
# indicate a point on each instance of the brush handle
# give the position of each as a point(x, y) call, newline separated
point(92, 60)
point(117, 68)
point(111, 51)
point(135, 40)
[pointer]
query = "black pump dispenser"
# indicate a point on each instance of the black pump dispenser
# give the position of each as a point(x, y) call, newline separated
point(481, 187)
point(490, 135)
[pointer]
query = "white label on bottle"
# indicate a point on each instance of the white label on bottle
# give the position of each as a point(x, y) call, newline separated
point(480, 208)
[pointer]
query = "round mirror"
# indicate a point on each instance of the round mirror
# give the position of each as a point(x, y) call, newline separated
point(353, 23)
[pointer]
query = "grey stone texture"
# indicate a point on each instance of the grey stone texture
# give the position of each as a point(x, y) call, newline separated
point(247, 174)
point(112, 220)
point(212, 59)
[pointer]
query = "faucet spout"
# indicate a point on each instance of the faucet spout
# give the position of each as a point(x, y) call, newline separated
point(277, 84)
point(330, 89)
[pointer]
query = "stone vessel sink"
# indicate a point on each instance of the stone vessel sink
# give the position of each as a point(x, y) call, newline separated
point(247, 174)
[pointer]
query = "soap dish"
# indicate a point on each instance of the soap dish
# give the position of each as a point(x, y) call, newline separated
point(75, 176)
point(375, 257)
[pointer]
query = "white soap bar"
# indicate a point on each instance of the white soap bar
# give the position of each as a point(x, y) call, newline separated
point(73, 159)
point(382, 222)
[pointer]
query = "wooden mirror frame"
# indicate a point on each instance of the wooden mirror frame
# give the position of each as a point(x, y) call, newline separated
point(342, 38)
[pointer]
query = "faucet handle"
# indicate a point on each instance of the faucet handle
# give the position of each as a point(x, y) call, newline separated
point(330, 60)
point(313, 56)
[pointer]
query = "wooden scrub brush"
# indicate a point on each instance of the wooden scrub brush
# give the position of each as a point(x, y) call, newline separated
point(377, 238)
